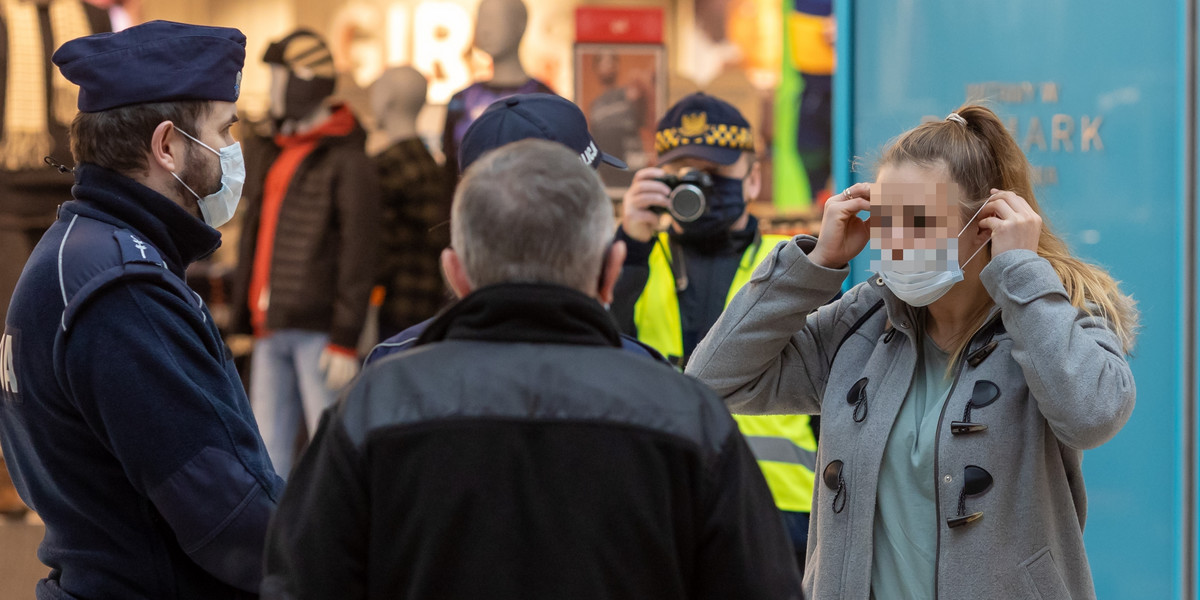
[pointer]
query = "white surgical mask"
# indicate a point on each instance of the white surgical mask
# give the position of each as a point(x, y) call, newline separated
point(915, 279)
point(218, 207)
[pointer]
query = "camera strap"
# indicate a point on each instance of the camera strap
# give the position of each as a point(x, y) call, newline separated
point(674, 255)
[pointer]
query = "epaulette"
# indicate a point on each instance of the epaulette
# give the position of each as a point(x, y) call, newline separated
point(137, 260)
point(134, 250)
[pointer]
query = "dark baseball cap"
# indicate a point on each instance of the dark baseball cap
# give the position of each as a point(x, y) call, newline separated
point(703, 126)
point(532, 116)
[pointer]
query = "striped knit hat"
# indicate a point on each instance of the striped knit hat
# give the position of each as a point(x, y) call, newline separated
point(310, 66)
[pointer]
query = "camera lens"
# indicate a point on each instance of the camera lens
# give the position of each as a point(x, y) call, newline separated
point(687, 203)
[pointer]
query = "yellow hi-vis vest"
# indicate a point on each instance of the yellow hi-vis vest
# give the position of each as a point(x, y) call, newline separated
point(783, 445)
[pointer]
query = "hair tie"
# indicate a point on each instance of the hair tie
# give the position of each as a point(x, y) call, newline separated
point(957, 118)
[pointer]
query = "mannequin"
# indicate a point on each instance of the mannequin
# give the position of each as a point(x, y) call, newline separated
point(396, 99)
point(499, 27)
point(288, 124)
point(416, 205)
point(311, 193)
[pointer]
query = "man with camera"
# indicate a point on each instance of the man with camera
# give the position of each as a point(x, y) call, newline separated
point(676, 282)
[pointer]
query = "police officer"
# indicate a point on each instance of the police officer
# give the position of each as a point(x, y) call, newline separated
point(123, 419)
point(676, 282)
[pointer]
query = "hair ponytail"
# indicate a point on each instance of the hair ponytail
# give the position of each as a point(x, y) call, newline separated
point(980, 155)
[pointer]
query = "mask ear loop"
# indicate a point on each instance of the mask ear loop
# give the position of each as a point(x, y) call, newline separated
point(964, 229)
point(186, 186)
point(209, 148)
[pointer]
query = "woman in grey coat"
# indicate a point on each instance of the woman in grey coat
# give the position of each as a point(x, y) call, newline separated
point(955, 401)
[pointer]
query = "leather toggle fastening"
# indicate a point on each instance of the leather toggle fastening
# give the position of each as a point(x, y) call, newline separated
point(834, 481)
point(857, 397)
point(976, 481)
point(963, 427)
point(983, 394)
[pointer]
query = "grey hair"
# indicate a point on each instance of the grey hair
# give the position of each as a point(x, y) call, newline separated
point(531, 212)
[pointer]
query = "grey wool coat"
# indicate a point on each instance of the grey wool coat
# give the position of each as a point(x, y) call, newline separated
point(1045, 379)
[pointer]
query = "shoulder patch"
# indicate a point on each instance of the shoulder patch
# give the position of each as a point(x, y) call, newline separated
point(136, 250)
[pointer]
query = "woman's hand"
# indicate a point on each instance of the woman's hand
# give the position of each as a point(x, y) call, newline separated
point(843, 234)
point(1012, 222)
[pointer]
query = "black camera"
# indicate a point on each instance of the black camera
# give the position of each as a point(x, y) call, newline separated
point(689, 195)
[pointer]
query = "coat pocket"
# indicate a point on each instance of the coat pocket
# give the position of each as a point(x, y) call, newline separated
point(1042, 577)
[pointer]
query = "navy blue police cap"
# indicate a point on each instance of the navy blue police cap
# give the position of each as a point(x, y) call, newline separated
point(159, 61)
point(703, 126)
point(532, 116)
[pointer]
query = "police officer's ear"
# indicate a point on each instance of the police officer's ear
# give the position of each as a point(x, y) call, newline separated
point(456, 274)
point(166, 148)
point(752, 182)
point(610, 271)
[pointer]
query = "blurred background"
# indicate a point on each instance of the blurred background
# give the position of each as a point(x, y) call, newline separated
point(1102, 98)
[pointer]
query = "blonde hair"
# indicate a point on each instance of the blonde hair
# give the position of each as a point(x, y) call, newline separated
point(981, 154)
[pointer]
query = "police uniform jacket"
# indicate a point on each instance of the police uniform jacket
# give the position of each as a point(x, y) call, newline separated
point(124, 422)
point(1040, 382)
point(517, 452)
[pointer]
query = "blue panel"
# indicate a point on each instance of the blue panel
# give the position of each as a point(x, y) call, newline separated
point(1118, 203)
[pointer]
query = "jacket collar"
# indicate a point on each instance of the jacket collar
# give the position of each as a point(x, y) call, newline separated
point(340, 124)
point(526, 313)
point(899, 312)
point(110, 197)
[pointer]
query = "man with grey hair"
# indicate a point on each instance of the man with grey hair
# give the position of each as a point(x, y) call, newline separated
point(516, 451)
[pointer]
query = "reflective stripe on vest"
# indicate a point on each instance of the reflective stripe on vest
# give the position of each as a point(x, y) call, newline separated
point(783, 445)
point(786, 452)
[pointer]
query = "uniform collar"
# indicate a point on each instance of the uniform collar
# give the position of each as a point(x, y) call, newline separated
point(110, 197)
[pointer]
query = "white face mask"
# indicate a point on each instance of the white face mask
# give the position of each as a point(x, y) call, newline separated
point(218, 207)
point(916, 278)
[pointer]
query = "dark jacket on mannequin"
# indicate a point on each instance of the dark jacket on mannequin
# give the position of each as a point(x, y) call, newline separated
point(325, 256)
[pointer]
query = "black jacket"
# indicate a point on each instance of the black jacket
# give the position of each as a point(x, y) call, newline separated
point(517, 452)
point(325, 259)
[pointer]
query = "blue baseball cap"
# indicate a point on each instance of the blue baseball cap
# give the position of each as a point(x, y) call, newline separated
point(703, 126)
point(532, 116)
point(159, 61)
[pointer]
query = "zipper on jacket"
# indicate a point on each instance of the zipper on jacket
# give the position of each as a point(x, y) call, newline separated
point(937, 439)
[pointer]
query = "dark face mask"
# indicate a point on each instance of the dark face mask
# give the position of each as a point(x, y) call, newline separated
point(725, 207)
point(302, 97)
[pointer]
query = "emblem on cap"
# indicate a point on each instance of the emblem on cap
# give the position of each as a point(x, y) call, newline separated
point(694, 125)
point(589, 154)
point(237, 85)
